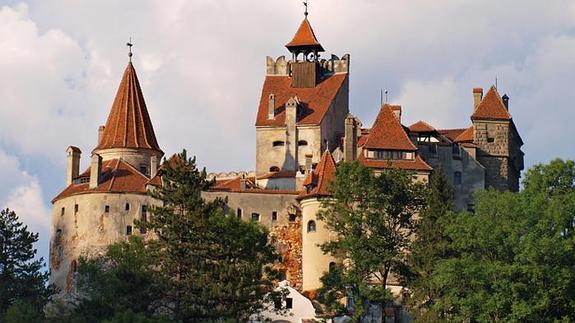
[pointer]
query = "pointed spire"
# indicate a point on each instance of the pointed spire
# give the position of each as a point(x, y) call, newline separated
point(388, 133)
point(319, 180)
point(491, 107)
point(129, 124)
point(304, 39)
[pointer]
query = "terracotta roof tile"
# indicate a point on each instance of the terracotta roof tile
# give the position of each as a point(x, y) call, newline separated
point(417, 164)
point(315, 102)
point(282, 174)
point(421, 126)
point(117, 177)
point(129, 125)
point(466, 136)
point(491, 107)
point(321, 177)
point(234, 185)
point(451, 134)
point(388, 133)
point(305, 37)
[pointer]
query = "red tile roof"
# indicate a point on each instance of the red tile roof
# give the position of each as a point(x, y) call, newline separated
point(466, 136)
point(388, 133)
point(417, 164)
point(129, 125)
point(117, 177)
point(305, 37)
point(234, 185)
point(421, 126)
point(315, 101)
point(282, 174)
point(491, 107)
point(321, 177)
point(451, 134)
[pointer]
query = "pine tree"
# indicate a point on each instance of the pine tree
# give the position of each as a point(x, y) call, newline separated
point(21, 278)
point(431, 246)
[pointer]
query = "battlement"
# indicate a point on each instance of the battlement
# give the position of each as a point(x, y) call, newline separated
point(282, 67)
point(231, 175)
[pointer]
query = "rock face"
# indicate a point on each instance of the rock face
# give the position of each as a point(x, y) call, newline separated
point(289, 245)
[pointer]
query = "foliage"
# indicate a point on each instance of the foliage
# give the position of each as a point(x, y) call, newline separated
point(431, 245)
point(372, 217)
point(515, 255)
point(23, 290)
point(200, 265)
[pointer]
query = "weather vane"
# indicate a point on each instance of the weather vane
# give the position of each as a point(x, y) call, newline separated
point(129, 44)
point(305, 5)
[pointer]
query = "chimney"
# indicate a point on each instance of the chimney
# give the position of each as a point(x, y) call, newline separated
point(350, 139)
point(95, 170)
point(243, 183)
point(308, 164)
point(271, 106)
point(153, 166)
point(72, 164)
point(505, 99)
point(477, 97)
point(100, 133)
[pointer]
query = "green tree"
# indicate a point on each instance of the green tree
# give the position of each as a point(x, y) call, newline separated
point(21, 278)
point(431, 245)
point(372, 217)
point(515, 257)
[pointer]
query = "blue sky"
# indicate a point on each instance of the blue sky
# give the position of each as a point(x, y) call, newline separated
point(201, 64)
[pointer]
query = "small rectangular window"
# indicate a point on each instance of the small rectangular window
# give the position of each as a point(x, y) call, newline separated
point(274, 216)
point(144, 218)
point(239, 213)
point(62, 211)
point(75, 208)
point(289, 303)
point(107, 209)
point(292, 218)
point(490, 139)
point(127, 206)
point(129, 230)
point(255, 217)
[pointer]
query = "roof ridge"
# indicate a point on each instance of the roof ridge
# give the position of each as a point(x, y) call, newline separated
point(385, 127)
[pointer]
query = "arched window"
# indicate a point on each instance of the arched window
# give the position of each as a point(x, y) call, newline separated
point(302, 143)
point(274, 169)
point(331, 266)
point(457, 178)
point(311, 226)
point(278, 143)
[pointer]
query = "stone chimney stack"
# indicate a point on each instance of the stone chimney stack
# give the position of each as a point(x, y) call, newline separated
point(153, 166)
point(95, 170)
point(100, 133)
point(505, 99)
point(350, 139)
point(477, 97)
point(72, 164)
point(243, 183)
point(272, 106)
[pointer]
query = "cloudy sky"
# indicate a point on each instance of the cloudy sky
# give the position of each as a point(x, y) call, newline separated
point(201, 64)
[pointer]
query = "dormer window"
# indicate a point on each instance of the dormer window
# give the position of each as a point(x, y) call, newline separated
point(302, 143)
point(390, 154)
point(278, 143)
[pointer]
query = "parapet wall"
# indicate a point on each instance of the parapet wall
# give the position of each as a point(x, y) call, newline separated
point(282, 67)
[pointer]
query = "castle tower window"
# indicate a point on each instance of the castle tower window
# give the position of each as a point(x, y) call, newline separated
point(292, 218)
point(302, 143)
point(63, 211)
point(457, 178)
point(433, 149)
point(278, 143)
point(129, 230)
point(490, 139)
point(289, 302)
point(75, 208)
point(239, 213)
point(274, 169)
point(255, 217)
point(127, 206)
point(455, 149)
point(144, 218)
point(274, 216)
point(107, 209)
point(331, 266)
point(311, 226)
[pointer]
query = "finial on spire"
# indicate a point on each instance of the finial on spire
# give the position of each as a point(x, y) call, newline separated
point(305, 5)
point(129, 44)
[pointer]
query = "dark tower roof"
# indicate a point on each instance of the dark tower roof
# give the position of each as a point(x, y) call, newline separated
point(129, 124)
point(304, 39)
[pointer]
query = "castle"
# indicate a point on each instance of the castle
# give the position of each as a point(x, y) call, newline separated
point(304, 129)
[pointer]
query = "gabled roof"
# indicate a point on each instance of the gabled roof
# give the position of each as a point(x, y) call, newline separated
point(319, 180)
point(466, 136)
point(451, 134)
point(117, 177)
point(421, 126)
point(129, 124)
point(304, 37)
point(491, 107)
point(314, 102)
point(388, 133)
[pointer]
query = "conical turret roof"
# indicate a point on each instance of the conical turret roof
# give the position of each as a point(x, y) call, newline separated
point(129, 124)
point(305, 38)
